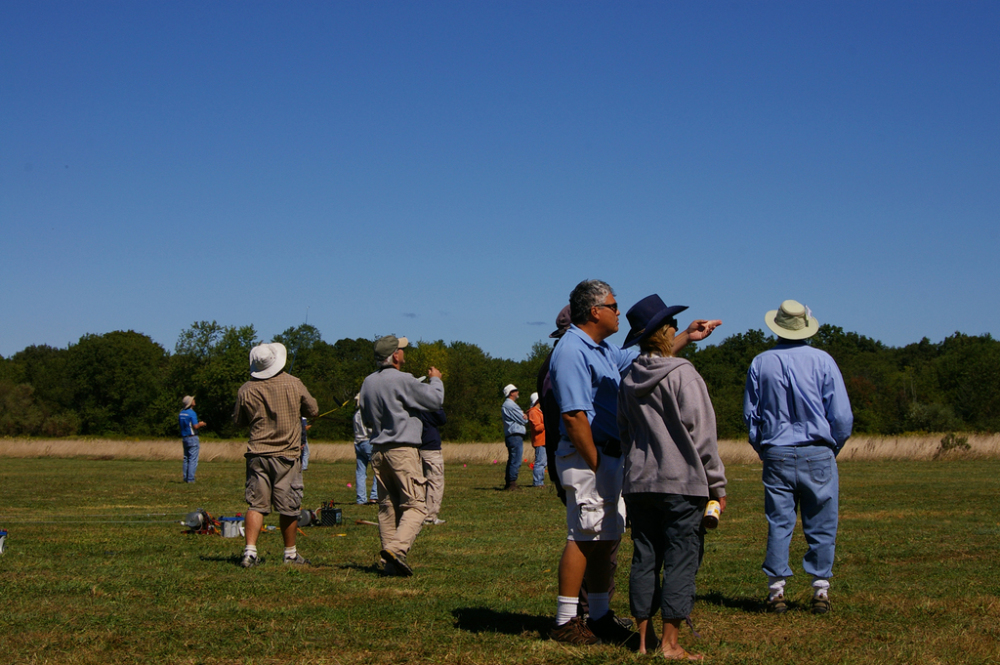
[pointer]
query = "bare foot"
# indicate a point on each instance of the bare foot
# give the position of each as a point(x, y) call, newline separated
point(682, 655)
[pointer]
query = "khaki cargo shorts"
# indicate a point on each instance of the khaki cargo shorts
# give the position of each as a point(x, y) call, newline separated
point(274, 481)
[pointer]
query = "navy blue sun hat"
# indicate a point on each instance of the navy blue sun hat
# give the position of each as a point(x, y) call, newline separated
point(646, 317)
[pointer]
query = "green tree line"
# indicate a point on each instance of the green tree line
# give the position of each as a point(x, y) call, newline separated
point(125, 384)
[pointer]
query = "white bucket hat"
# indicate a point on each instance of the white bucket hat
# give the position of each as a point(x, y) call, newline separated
point(266, 360)
point(508, 389)
point(792, 320)
point(534, 398)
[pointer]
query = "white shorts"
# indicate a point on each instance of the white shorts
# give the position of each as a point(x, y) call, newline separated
point(595, 509)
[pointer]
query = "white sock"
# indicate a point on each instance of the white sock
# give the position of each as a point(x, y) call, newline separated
point(566, 609)
point(775, 587)
point(821, 587)
point(250, 549)
point(291, 552)
point(598, 605)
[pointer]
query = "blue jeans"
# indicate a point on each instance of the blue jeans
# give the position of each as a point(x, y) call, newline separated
point(538, 474)
point(305, 455)
point(515, 446)
point(803, 478)
point(191, 448)
point(363, 454)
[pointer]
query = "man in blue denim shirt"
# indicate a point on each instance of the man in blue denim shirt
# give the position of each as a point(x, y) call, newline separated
point(363, 456)
point(514, 429)
point(189, 425)
point(799, 416)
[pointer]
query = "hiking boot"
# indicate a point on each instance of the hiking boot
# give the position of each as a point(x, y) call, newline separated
point(395, 564)
point(297, 560)
point(575, 632)
point(820, 605)
point(249, 561)
point(511, 487)
point(610, 631)
point(777, 605)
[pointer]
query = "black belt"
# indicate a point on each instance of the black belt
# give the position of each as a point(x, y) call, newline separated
point(610, 447)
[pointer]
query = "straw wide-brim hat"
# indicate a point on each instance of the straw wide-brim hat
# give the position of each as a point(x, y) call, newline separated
point(266, 360)
point(792, 320)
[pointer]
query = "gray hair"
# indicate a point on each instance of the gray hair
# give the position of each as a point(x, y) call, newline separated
point(587, 294)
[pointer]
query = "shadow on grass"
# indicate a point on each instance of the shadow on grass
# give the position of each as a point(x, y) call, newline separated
point(235, 559)
point(485, 620)
point(372, 569)
point(744, 604)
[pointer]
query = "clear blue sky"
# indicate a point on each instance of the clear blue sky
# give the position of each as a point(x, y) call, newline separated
point(451, 170)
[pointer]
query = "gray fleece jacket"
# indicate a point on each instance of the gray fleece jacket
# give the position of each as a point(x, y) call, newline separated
point(388, 400)
point(667, 427)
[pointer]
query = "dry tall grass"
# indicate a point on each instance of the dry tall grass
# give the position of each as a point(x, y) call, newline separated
point(917, 447)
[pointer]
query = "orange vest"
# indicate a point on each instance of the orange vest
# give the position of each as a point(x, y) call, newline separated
point(537, 425)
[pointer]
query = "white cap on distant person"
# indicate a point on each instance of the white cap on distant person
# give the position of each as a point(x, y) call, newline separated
point(508, 389)
point(187, 401)
point(534, 398)
point(266, 360)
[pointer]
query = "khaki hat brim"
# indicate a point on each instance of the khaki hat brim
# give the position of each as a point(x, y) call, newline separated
point(785, 333)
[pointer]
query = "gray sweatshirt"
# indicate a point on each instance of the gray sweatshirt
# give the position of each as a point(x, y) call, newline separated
point(388, 400)
point(667, 427)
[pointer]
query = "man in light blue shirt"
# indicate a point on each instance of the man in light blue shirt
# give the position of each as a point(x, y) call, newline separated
point(799, 416)
point(513, 434)
point(585, 371)
point(189, 426)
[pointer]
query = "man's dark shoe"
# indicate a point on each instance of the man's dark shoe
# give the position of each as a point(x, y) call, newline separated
point(624, 622)
point(395, 564)
point(777, 605)
point(511, 487)
point(575, 632)
point(820, 605)
point(610, 631)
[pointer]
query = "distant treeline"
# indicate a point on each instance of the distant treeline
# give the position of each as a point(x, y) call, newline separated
point(125, 384)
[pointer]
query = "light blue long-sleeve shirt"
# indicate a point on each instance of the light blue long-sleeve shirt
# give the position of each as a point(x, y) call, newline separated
point(795, 395)
point(513, 418)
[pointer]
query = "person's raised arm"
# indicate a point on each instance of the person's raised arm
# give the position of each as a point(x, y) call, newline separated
point(697, 331)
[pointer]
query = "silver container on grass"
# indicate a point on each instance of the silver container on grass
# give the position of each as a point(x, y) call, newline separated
point(232, 527)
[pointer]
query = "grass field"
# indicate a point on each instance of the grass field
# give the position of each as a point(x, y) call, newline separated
point(93, 573)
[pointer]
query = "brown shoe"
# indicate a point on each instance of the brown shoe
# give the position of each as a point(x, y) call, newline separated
point(511, 487)
point(575, 632)
point(777, 605)
point(820, 605)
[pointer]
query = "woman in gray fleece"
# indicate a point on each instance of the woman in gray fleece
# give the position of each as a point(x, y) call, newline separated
point(672, 469)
